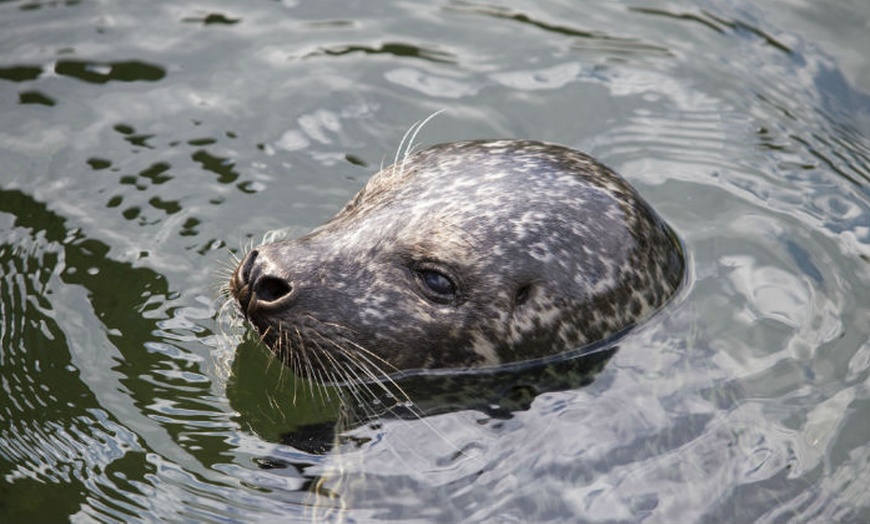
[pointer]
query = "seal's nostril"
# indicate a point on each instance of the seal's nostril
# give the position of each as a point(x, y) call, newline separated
point(248, 265)
point(270, 289)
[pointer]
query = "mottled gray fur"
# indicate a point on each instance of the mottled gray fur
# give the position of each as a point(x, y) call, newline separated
point(540, 250)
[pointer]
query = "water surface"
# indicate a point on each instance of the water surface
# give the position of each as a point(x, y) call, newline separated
point(144, 144)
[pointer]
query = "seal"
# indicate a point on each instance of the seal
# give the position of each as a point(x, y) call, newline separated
point(463, 255)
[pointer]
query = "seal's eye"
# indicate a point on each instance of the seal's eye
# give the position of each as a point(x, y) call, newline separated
point(436, 285)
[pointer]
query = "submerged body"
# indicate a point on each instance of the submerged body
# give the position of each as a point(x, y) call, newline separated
point(461, 255)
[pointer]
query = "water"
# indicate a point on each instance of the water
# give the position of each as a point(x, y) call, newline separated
point(143, 143)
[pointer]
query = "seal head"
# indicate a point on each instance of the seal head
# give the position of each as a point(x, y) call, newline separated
point(461, 255)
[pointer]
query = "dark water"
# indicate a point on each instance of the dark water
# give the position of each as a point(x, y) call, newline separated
point(143, 143)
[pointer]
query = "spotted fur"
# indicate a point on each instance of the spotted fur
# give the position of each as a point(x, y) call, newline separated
point(547, 251)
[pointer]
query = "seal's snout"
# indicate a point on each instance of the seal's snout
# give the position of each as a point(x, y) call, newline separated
point(240, 282)
point(246, 267)
point(255, 288)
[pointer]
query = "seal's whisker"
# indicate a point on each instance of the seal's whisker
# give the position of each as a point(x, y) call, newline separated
point(365, 385)
point(262, 336)
point(409, 148)
point(281, 352)
point(375, 376)
point(382, 380)
point(245, 247)
point(357, 346)
point(335, 371)
point(296, 356)
point(406, 145)
point(368, 356)
point(225, 271)
point(313, 377)
point(278, 351)
point(341, 374)
point(361, 361)
point(316, 379)
point(319, 370)
point(400, 151)
point(350, 367)
point(349, 375)
point(355, 387)
point(314, 386)
point(419, 126)
point(236, 260)
point(401, 398)
point(355, 379)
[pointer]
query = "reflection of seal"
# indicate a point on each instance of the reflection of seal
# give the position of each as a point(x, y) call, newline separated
point(463, 254)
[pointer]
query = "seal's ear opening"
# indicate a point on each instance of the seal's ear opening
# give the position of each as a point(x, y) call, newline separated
point(522, 296)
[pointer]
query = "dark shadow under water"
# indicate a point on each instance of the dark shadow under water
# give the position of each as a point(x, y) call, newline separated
point(315, 416)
